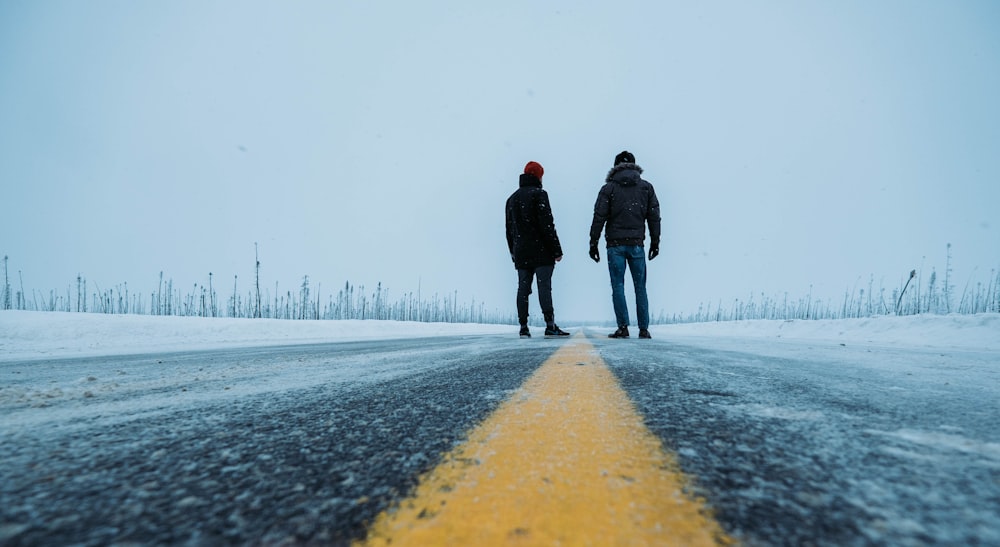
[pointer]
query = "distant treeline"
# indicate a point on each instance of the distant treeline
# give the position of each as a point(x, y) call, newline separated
point(916, 294)
point(350, 302)
point(306, 302)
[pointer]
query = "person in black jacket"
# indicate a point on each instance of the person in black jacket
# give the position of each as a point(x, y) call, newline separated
point(626, 204)
point(534, 246)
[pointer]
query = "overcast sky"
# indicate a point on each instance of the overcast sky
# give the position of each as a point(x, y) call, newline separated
point(794, 146)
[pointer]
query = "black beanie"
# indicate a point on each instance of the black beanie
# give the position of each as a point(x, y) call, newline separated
point(624, 157)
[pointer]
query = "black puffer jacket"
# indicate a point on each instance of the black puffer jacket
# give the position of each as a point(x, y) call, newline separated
point(531, 230)
point(626, 203)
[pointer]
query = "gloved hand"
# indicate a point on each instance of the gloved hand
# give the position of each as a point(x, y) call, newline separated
point(594, 254)
point(654, 250)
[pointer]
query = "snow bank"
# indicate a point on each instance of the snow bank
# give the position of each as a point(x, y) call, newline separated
point(32, 335)
point(971, 332)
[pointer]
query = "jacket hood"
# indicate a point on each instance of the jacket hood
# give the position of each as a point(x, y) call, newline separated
point(530, 180)
point(625, 174)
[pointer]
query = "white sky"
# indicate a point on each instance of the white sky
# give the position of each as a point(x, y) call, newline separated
point(792, 144)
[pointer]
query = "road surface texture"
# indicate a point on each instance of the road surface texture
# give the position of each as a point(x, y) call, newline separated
point(308, 445)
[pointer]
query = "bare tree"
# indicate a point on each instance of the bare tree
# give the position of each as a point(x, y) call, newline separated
point(256, 256)
point(947, 281)
point(6, 285)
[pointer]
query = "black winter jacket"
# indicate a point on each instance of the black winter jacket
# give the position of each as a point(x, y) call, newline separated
point(531, 230)
point(626, 203)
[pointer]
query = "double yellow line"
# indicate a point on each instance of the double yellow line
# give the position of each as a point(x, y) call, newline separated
point(566, 461)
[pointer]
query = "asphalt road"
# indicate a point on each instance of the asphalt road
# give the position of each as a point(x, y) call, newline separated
point(829, 451)
point(307, 444)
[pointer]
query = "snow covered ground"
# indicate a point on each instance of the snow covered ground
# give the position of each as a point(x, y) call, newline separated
point(979, 332)
point(33, 335)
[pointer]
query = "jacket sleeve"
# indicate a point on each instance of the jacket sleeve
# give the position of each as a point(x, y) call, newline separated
point(547, 224)
point(653, 216)
point(510, 228)
point(601, 209)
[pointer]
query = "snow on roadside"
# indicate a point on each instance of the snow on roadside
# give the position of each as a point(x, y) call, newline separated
point(980, 332)
point(26, 335)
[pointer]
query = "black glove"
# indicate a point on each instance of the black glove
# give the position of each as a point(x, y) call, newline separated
point(654, 250)
point(596, 256)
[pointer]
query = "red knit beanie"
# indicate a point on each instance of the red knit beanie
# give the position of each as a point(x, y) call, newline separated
point(535, 169)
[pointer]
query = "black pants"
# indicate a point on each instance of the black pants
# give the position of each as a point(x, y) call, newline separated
point(524, 278)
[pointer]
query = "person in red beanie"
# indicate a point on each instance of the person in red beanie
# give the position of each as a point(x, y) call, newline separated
point(534, 246)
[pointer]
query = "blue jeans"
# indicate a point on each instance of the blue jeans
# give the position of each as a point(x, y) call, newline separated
point(635, 257)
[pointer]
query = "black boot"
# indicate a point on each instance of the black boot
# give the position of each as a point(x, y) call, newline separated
point(644, 333)
point(554, 331)
point(622, 332)
point(525, 333)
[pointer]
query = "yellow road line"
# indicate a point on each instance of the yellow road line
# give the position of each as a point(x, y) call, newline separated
point(566, 461)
